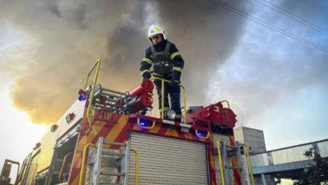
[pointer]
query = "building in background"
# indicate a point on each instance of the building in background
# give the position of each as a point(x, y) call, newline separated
point(254, 138)
point(270, 167)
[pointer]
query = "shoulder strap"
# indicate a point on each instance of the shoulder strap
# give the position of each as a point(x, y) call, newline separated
point(152, 48)
point(167, 48)
point(152, 51)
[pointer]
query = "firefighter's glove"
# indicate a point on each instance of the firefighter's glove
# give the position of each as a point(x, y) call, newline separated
point(174, 83)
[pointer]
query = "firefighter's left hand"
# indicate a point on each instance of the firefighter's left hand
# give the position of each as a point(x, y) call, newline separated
point(174, 83)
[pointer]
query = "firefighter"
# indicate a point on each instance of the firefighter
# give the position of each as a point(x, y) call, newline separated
point(167, 63)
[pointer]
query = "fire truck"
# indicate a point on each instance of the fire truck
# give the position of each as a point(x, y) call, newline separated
point(107, 138)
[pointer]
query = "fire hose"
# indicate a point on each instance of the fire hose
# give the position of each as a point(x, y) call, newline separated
point(123, 102)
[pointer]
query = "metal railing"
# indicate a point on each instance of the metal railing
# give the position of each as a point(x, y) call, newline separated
point(91, 95)
point(90, 111)
point(290, 154)
point(226, 101)
point(249, 162)
point(184, 98)
point(218, 144)
point(84, 160)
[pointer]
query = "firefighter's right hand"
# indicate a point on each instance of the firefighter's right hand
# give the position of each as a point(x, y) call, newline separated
point(174, 83)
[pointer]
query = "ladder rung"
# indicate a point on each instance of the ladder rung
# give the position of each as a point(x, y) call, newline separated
point(228, 146)
point(109, 162)
point(112, 152)
point(112, 173)
point(112, 155)
point(55, 172)
point(107, 179)
point(114, 143)
point(234, 168)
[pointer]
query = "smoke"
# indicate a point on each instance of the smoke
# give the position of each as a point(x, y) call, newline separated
point(270, 71)
point(71, 35)
point(203, 35)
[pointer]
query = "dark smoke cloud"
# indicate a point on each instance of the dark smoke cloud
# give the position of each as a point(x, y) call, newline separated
point(72, 34)
point(203, 35)
point(272, 81)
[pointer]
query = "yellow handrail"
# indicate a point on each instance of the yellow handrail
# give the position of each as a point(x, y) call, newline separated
point(84, 158)
point(249, 162)
point(184, 98)
point(137, 165)
point(226, 102)
point(98, 62)
point(218, 144)
point(152, 126)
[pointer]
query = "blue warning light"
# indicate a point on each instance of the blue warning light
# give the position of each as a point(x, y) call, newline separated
point(82, 97)
point(201, 133)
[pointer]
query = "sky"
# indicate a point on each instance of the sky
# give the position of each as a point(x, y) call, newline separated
point(274, 82)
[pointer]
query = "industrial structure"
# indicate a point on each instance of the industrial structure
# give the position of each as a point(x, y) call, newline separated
point(285, 163)
point(253, 138)
point(269, 167)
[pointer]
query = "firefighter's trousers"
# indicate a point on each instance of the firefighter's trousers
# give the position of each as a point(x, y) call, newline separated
point(174, 93)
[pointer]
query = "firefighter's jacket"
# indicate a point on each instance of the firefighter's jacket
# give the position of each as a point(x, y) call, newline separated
point(171, 54)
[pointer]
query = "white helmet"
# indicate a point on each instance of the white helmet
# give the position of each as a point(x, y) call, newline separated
point(154, 30)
